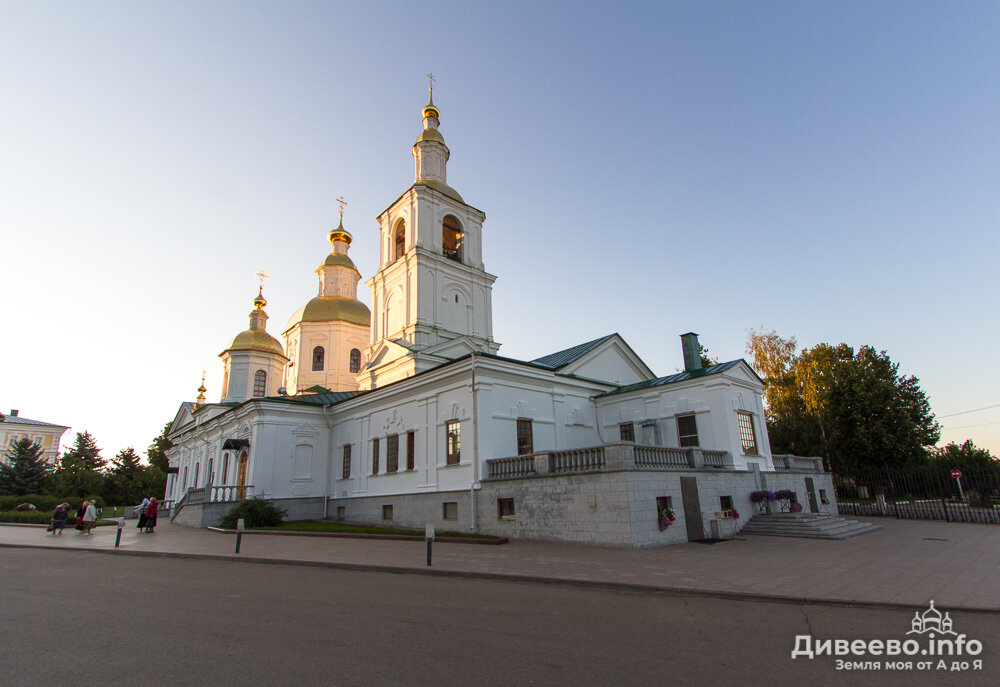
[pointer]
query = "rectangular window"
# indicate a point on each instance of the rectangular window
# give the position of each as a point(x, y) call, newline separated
point(450, 510)
point(346, 471)
point(627, 431)
point(387, 512)
point(525, 445)
point(664, 503)
point(726, 502)
point(687, 430)
point(505, 509)
point(375, 456)
point(341, 512)
point(411, 448)
point(453, 435)
point(747, 435)
point(392, 453)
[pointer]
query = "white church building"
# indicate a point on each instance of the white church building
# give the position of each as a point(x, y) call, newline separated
point(406, 414)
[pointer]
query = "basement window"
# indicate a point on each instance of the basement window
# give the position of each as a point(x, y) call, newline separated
point(387, 512)
point(505, 509)
point(450, 510)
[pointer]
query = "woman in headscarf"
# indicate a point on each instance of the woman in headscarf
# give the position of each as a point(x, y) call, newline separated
point(142, 514)
point(151, 514)
point(59, 518)
point(89, 518)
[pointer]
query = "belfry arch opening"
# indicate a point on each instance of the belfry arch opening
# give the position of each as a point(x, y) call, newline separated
point(399, 241)
point(452, 238)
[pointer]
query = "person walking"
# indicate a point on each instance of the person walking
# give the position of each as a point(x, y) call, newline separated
point(142, 514)
point(151, 515)
point(79, 515)
point(59, 518)
point(89, 518)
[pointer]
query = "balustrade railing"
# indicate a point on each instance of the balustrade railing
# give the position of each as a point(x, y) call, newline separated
point(714, 459)
point(232, 492)
point(790, 462)
point(578, 460)
point(515, 466)
point(660, 457)
point(195, 495)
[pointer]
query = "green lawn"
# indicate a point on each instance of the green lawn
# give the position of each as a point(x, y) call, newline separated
point(339, 527)
point(38, 517)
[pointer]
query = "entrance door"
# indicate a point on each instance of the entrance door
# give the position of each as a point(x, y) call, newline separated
point(811, 494)
point(692, 508)
point(241, 477)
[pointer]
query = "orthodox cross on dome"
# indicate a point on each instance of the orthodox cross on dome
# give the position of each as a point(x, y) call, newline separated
point(260, 278)
point(430, 81)
point(343, 204)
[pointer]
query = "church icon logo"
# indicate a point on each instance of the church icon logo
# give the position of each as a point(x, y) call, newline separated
point(931, 621)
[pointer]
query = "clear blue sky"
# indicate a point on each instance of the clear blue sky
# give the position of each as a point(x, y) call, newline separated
point(829, 170)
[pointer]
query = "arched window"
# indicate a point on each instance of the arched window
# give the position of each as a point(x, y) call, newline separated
point(259, 383)
point(452, 238)
point(399, 241)
point(355, 360)
point(318, 359)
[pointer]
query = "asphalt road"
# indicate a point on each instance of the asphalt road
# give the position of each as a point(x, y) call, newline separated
point(89, 619)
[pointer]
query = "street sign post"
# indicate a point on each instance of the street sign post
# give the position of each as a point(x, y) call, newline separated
point(957, 474)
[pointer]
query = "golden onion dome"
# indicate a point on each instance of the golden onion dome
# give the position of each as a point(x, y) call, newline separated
point(340, 234)
point(256, 340)
point(430, 110)
point(440, 187)
point(335, 309)
point(430, 135)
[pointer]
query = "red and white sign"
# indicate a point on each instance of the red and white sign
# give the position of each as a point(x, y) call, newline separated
point(957, 474)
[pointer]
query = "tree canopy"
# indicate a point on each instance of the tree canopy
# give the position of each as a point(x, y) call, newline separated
point(964, 455)
point(851, 406)
point(25, 471)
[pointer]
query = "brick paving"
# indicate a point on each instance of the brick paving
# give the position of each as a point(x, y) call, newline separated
point(908, 562)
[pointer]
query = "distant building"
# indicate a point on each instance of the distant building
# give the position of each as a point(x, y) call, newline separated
point(405, 414)
point(46, 434)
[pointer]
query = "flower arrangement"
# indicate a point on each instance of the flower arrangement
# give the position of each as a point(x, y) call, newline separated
point(824, 500)
point(666, 518)
point(761, 497)
point(789, 501)
point(796, 507)
point(733, 514)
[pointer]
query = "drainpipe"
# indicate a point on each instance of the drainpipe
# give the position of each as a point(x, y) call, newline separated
point(475, 448)
point(329, 461)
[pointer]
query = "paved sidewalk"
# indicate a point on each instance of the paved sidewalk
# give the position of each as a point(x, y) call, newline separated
point(908, 562)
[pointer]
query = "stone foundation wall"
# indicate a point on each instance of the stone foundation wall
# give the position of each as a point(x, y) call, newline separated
point(408, 510)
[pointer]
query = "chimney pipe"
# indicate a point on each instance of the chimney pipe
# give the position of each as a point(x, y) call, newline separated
point(692, 352)
point(13, 412)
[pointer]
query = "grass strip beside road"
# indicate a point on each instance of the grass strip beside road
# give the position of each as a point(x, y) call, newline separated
point(339, 527)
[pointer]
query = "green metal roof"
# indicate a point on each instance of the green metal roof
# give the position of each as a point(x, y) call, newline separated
point(679, 377)
point(326, 398)
point(563, 358)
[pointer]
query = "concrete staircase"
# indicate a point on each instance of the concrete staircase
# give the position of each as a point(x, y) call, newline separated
point(807, 525)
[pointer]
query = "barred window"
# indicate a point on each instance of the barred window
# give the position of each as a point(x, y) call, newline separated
point(627, 431)
point(392, 453)
point(450, 510)
point(355, 361)
point(259, 383)
point(318, 355)
point(687, 430)
point(387, 512)
point(505, 509)
point(525, 445)
point(747, 435)
point(453, 434)
point(411, 442)
point(374, 456)
point(346, 471)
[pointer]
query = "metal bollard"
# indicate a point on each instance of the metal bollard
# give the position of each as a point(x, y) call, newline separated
point(239, 533)
point(118, 537)
point(429, 536)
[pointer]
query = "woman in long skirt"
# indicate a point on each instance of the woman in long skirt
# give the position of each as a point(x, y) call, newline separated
point(142, 514)
point(151, 515)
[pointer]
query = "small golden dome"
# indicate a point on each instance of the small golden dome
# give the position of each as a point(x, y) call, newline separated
point(430, 110)
point(431, 135)
point(256, 340)
point(340, 234)
point(339, 260)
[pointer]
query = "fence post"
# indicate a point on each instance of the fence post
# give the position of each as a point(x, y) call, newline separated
point(892, 489)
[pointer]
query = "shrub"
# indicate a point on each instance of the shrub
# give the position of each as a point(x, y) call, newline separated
point(44, 502)
point(255, 512)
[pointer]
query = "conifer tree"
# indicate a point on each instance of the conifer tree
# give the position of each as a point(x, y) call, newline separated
point(25, 470)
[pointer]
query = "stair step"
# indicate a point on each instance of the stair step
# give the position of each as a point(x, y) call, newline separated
point(807, 526)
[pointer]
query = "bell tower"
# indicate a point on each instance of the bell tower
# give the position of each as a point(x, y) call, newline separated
point(432, 299)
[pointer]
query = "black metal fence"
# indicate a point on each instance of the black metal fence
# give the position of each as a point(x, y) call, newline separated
point(921, 493)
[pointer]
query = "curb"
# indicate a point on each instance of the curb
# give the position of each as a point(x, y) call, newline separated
point(360, 535)
point(530, 579)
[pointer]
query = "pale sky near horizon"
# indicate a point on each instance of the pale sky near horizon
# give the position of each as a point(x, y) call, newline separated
point(828, 170)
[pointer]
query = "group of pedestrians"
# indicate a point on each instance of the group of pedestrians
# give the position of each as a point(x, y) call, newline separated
point(147, 515)
point(86, 518)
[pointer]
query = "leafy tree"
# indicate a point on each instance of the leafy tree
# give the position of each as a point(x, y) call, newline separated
point(123, 482)
point(157, 451)
point(964, 455)
point(26, 468)
point(706, 359)
point(853, 407)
